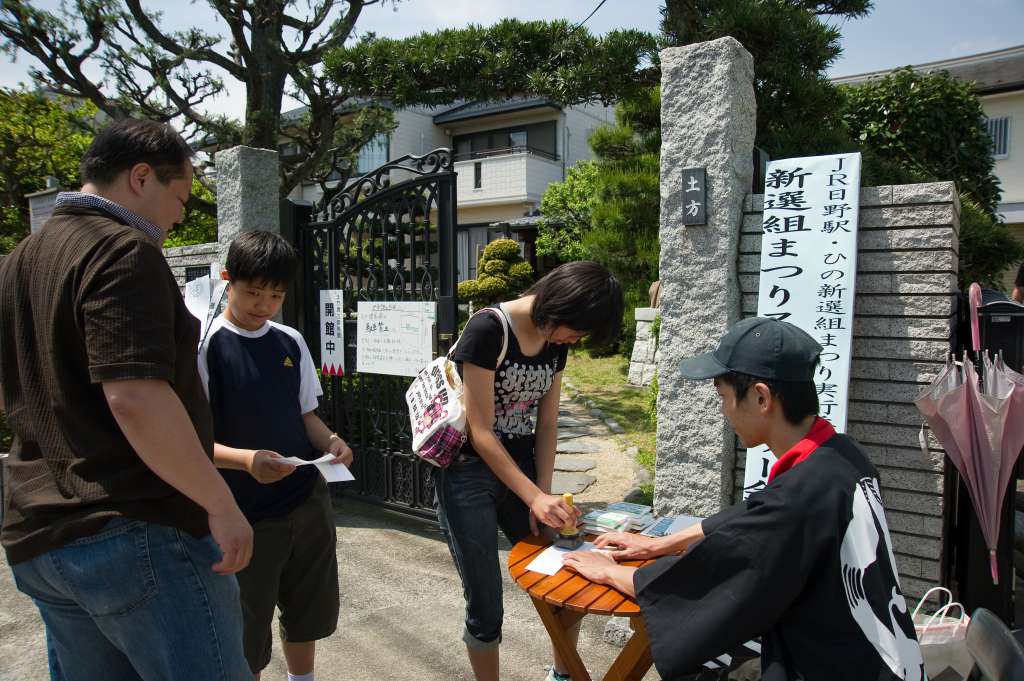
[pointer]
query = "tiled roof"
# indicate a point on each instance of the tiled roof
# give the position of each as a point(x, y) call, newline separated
point(992, 72)
point(470, 110)
point(524, 222)
point(348, 106)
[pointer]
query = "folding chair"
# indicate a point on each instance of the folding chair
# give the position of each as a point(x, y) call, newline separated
point(998, 656)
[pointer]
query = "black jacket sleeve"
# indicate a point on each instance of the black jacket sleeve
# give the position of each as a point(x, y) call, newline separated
point(713, 522)
point(730, 587)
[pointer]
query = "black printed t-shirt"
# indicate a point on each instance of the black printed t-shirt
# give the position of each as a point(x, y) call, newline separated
point(519, 383)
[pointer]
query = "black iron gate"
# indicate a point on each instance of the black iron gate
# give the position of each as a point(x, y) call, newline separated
point(389, 236)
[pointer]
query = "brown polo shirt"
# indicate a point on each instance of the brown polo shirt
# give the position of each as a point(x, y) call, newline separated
point(84, 301)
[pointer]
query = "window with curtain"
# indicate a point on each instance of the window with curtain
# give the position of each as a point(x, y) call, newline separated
point(999, 131)
point(373, 154)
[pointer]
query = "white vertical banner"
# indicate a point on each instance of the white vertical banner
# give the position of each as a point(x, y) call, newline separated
point(203, 297)
point(808, 274)
point(332, 332)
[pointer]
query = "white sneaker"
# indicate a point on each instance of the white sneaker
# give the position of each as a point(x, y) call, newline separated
point(554, 676)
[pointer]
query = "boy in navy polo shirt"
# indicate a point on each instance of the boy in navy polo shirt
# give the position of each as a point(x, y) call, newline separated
point(263, 390)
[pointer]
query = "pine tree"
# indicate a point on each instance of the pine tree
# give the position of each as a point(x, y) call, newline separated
point(502, 274)
point(608, 211)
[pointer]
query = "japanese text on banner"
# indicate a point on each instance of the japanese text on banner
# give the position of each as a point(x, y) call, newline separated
point(807, 274)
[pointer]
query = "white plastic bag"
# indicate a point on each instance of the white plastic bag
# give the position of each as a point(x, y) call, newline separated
point(943, 636)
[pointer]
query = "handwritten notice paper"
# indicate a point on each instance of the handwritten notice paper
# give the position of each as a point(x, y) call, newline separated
point(808, 273)
point(395, 338)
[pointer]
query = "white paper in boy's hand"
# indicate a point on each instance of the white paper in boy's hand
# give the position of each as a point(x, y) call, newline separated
point(549, 561)
point(332, 472)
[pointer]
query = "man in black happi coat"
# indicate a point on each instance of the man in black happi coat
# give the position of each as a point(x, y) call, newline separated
point(806, 563)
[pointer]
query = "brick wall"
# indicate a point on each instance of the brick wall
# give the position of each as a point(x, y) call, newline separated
point(903, 320)
point(182, 257)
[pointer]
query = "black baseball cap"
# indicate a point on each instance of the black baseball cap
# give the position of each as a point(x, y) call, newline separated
point(761, 347)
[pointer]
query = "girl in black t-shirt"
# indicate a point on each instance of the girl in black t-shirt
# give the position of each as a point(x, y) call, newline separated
point(502, 477)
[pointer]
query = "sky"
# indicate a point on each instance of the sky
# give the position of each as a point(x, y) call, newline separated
point(896, 33)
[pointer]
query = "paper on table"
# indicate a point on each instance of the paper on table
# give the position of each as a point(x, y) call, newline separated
point(550, 559)
point(332, 472)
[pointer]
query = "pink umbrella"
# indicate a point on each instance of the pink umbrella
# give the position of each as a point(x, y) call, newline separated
point(980, 424)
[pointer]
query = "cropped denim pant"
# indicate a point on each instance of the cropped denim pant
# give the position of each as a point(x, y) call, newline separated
point(472, 504)
point(137, 601)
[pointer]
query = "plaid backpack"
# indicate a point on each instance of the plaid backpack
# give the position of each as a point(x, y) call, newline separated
point(437, 414)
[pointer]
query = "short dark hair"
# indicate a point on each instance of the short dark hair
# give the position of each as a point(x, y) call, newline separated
point(263, 257)
point(583, 296)
point(799, 398)
point(126, 143)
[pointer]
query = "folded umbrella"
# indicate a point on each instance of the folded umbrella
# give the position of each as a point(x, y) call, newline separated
point(979, 420)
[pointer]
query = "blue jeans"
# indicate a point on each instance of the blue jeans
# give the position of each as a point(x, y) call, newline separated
point(472, 503)
point(137, 601)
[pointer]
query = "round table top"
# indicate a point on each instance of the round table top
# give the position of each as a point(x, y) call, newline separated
point(566, 588)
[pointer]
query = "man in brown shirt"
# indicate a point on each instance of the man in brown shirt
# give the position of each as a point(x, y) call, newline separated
point(116, 522)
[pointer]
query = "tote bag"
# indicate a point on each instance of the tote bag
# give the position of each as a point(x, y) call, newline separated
point(437, 413)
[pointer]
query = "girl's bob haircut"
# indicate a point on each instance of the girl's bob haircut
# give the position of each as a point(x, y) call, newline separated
point(583, 296)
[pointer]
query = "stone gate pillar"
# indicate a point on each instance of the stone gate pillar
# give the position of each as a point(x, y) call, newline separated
point(708, 119)
point(248, 194)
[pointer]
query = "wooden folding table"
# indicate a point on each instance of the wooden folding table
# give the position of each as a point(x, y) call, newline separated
point(563, 599)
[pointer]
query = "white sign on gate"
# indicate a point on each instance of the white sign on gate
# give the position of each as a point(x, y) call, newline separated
point(40, 207)
point(808, 271)
point(332, 332)
point(203, 298)
point(395, 338)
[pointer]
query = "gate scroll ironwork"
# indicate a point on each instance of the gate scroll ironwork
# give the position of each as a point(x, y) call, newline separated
point(389, 236)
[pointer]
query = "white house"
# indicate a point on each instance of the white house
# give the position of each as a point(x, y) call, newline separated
point(998, 79)
point(506, 154)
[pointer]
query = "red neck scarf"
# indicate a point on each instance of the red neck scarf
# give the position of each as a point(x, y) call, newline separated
point(820, 433)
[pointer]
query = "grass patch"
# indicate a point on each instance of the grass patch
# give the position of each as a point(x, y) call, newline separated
point(603, 381)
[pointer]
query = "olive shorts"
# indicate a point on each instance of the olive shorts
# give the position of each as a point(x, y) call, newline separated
point(294, 567)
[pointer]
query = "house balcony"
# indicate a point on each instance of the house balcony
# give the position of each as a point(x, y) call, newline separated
point(501, 176)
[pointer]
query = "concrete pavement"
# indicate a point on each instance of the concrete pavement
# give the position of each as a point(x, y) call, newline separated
point(401, 599)
point(401, 617)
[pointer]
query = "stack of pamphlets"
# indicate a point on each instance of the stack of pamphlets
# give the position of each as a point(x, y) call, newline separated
point(670, 525)
point(641, 515)
point(618, 517)
point(599, 522)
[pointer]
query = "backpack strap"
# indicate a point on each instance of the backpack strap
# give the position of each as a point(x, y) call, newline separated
point(500, 314)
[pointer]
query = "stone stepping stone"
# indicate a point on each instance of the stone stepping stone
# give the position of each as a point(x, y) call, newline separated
point(574, 483)
point(573, 464)
point(578, 447)
point(572, 422)
point(573, 433)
